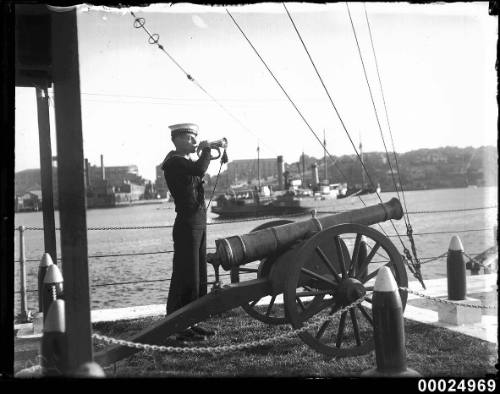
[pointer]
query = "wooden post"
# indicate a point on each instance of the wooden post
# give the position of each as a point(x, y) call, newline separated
point(49, 227)
point(71, 185)
point(22, 276)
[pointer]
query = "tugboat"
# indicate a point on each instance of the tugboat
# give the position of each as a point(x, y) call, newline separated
point(245, 203)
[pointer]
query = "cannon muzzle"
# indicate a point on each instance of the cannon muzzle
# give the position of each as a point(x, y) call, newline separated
point(242, 249)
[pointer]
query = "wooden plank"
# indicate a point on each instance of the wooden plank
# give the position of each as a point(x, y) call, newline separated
point(71, 186)
point(213, 303)
point(7, 188)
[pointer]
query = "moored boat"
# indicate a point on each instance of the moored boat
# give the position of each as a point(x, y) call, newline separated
point(252, 203)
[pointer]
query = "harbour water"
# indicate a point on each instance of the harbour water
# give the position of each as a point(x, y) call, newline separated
point(145, 258)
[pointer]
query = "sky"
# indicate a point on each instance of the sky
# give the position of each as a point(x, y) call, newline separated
point(436, 69)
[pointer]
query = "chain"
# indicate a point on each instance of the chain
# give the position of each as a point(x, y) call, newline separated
point(426, 212)
point(226, 348)
point(454, 210)
point(447, 301)
point(170, 226)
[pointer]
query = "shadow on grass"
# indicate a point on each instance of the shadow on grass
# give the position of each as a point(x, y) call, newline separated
point(432, 351)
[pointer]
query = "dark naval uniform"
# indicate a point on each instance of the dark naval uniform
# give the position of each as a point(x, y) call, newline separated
point(184, 178)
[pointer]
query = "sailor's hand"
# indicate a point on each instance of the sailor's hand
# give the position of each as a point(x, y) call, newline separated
point(203, 145)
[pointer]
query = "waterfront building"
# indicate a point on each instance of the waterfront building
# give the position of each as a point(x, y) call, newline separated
point(246, 169)
point(160, 183)
point(106, 187)
point(29, 201)
point(115, 175)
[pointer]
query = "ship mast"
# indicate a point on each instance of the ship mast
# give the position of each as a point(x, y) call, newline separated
point(258, 166)
point(303, 169)
point(362, 162)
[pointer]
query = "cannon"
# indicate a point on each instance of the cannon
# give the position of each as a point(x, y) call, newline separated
point(315, 267)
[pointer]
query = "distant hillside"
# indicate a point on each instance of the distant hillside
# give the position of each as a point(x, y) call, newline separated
point(445, 167)
point(423, 169)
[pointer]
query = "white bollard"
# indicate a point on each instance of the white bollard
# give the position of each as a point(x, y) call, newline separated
point(53, 347)
point(458, 312)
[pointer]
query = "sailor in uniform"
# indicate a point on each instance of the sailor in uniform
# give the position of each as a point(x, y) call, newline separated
point(184, 178)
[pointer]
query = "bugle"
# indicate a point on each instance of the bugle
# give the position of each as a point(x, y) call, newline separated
point(215, 145)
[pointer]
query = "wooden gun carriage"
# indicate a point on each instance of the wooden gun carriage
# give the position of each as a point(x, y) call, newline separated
point(316, 266)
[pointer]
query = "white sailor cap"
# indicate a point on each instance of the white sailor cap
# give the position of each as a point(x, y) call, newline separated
point(181, 128)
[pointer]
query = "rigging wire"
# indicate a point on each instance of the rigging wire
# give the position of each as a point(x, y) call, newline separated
point(386, 114)
point(329, 96)
point(408, 256)
point(303, 118)
point(154, 39)
point(338, 114)
point(373, 102)
point(415, 265)
point(334, 161)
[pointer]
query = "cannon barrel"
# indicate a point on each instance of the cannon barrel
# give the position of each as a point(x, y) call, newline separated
point(242, 249)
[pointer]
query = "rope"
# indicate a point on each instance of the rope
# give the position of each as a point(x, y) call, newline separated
point(226, 348)
point(374, 107)
point(154, 39)
point(416, 266)
point(386, 114)
point(409, 231)
point(285, 92)
point(327, 93)
point(223, 160)
point(302, 116)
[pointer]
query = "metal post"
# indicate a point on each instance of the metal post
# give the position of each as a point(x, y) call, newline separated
point(22, 276)
point(455, 264)
point(52, 288)
point(71, 185)
point(49, 226)
point(388, 326)
point(45, 262)
point(53, 346)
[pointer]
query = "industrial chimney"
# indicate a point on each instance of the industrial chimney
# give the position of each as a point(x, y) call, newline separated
point(315, 174)
point(102, 168)
point(280, 172)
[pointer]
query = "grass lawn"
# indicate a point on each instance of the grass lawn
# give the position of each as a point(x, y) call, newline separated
point(432, 351)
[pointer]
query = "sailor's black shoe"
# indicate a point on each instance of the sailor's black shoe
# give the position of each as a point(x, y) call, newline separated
point(189, 335)
point(200, 330)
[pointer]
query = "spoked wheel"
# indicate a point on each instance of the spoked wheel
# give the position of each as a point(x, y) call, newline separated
point(342, 261)
point(271, 313)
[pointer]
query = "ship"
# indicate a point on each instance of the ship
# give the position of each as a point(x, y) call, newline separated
point(292, 197)
point(246, 203)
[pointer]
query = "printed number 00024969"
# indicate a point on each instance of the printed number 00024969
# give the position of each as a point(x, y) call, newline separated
point(456, 385)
